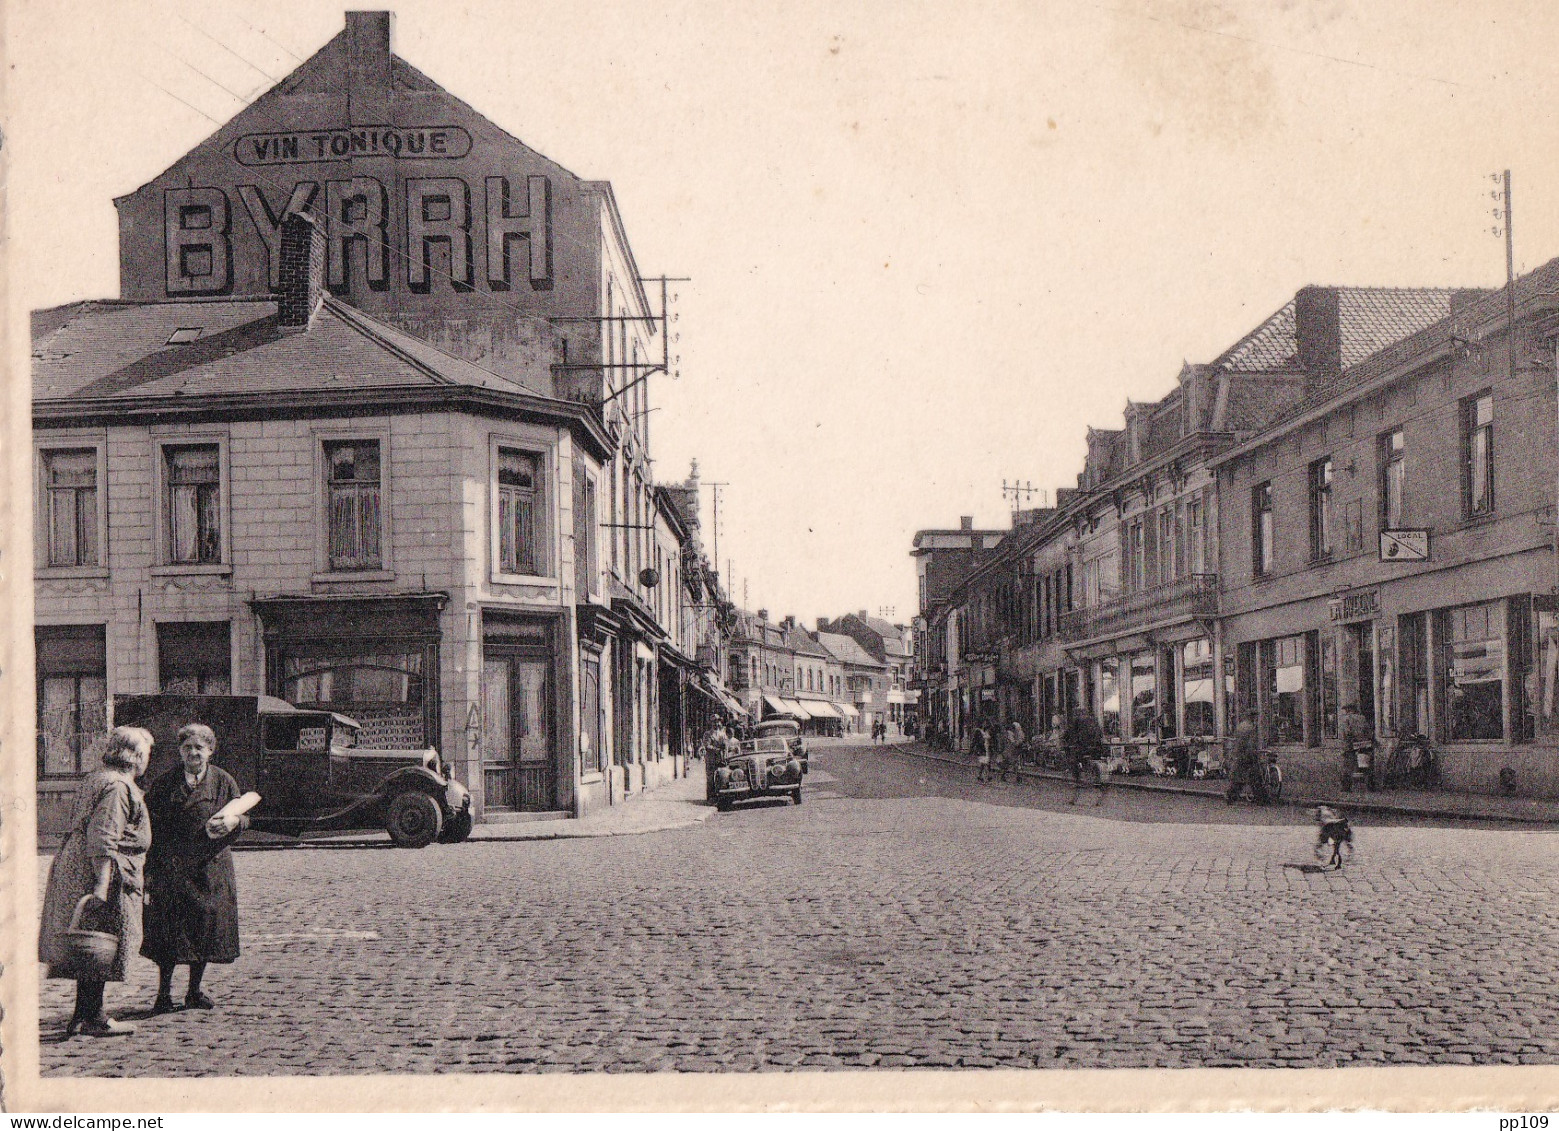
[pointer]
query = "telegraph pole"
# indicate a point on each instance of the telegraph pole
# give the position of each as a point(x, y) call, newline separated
point(714, 492)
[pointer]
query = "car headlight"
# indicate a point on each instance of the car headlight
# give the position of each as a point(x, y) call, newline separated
point(793, 768)
point(723, 776)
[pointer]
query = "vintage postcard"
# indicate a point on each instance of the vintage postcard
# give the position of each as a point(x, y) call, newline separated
point(983, 556)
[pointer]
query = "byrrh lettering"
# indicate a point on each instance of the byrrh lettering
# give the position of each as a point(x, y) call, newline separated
point(371, 236)
point(405, 142)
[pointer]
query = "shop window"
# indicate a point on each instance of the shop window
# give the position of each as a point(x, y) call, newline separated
point(1321, 509)
point(518, 495)
point(1261, 529)
point(1393, 478)
point(1285, 689)
point(71, 506)
point(1478, 454)
point(1472, 663)
point(72, 686)
point(1144, 695)
point(192, 503)
point(1196, 688)
point(1107, 674)
point(382, 689)
point(353, 504)
point(195, 658)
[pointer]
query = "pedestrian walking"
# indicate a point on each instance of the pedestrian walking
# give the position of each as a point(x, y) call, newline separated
point(1247, 768)
point(1083, 744)
point(95, 881)
point(980, 743)
point(1012, 750)
point(192, 908)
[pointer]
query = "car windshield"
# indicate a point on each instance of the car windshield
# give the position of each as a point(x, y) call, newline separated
point(772, 744)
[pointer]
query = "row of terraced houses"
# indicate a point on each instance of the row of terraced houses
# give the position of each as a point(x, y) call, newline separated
point(1352, 504)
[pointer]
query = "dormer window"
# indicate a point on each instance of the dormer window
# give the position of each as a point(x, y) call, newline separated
point(184, 335)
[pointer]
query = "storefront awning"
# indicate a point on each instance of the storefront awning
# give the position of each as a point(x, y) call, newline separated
point(796, 708)
point(847, 711)
point(820, 710)
point(896, 697)
point(777, 705)
point(730, 701)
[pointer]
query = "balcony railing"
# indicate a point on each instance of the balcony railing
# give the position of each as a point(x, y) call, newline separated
point(1191, 596)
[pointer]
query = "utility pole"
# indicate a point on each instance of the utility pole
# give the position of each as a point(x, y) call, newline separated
point(1019, 493)
point(714, 492)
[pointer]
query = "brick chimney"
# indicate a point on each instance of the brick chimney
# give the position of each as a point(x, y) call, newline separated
point(368, 68)
point(302, 272)
point(1318, 331)
point(763, 615)
point(966, 522)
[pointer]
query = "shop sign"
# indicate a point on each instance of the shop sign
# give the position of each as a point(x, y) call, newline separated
point(1404, 545)
point(1354, 606)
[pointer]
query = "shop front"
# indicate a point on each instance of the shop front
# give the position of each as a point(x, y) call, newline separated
point(1477, 678)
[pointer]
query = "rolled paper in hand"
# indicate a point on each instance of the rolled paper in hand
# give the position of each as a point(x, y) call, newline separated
point(234, 809)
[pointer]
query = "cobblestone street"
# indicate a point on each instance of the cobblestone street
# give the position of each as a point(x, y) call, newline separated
point(902, 916)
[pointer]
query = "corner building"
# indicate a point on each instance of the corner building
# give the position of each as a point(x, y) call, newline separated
point(367, 429)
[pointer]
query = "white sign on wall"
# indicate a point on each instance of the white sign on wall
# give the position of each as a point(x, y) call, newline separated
point(1404, 545)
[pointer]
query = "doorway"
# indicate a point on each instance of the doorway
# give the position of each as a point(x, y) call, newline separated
point(1361, 643)
point(518, 768)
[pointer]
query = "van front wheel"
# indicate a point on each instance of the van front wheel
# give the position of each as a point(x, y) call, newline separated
point(413, 820)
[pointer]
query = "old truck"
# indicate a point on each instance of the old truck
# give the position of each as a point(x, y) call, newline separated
point(311, 771)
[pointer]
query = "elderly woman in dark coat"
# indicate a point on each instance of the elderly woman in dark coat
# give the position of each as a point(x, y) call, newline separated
point(192, 897)
point(99, 867)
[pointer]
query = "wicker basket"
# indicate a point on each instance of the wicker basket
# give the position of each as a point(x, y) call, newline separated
point(90, 954)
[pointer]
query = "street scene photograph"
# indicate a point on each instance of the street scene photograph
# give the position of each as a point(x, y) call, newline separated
point(823, 546)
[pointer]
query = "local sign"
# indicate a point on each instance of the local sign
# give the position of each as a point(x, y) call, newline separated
point(1404, 545)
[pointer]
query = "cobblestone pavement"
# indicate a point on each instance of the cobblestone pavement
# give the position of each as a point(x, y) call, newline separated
point(902, 916)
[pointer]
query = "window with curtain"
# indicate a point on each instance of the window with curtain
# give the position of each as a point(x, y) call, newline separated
point(72, 690)
point(1285, 679)
point(70, 486)
point(353, 490)
point(1197, 688)
point(518, 492)
point(193, 503)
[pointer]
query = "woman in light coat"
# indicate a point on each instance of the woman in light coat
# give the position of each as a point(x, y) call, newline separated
point(101, 861)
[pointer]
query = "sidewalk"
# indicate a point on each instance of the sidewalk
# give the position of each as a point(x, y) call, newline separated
point(675, 805)
point(1441, 804)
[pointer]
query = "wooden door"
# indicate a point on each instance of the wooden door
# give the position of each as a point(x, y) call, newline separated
point(517, 750)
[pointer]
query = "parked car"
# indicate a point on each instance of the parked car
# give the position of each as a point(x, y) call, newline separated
point(788, 729)
point(310, 769)
point(758, 767)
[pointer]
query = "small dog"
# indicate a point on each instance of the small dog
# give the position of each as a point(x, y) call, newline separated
point(1332, 829)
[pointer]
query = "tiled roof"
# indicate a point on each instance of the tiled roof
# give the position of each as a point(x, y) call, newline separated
point(1374, 317)
point(1255, 401)
point(111, 349)
point(1491, 305)
point(846, 650)
point(1369, 319)
point(1272, 345)
point(798, 640)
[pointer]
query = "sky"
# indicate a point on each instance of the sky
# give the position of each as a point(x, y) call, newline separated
point(929, 243)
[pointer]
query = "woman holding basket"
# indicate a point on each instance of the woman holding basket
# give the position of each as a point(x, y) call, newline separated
point(95, 883)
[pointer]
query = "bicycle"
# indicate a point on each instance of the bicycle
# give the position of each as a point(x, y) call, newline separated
point(1413, 763)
